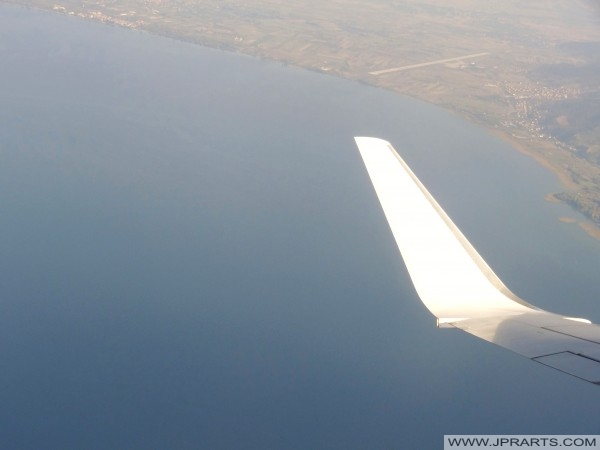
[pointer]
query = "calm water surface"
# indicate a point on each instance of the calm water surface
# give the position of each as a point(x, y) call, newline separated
point(193, 256)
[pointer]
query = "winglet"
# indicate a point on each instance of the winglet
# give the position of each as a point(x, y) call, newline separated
point(457, 285)
point(451, 278)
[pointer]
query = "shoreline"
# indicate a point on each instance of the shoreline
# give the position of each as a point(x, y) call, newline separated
point(524, 146)
point(564, 179)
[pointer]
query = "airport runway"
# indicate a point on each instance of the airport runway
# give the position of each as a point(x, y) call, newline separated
point(431, 63)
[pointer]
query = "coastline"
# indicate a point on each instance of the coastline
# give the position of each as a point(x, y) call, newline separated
point(564, 179)
point(543, 153)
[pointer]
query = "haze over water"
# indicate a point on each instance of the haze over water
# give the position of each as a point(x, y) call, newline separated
point(193, 256)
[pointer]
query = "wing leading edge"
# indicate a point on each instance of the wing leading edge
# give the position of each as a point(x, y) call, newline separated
point(457, 285)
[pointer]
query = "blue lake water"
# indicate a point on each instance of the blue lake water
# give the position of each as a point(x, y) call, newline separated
point(193, 256)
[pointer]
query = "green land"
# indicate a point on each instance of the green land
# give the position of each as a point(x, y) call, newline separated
point(528, 71)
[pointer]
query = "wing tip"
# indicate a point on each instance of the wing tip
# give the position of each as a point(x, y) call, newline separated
point(366, 141)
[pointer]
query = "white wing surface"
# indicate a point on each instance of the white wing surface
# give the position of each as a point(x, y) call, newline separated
point(457, 285)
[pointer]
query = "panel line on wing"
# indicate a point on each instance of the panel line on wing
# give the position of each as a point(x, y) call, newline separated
point(587, 369)
point(572, 335)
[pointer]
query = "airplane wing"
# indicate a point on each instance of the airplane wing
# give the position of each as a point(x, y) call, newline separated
point(457, 285)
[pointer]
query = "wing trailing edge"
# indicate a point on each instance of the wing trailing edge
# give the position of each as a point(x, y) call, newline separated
point(459, 287)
